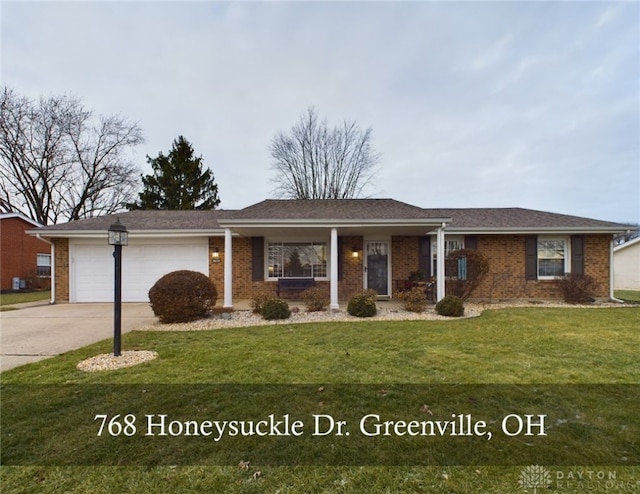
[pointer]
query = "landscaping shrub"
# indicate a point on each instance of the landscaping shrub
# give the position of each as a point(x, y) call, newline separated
point(275, 308)
point(363, 304)
point(450, 306)
point(257, 303)
point(466, 269)
point(577, 288)
point(182, 296)
point(315, 299)
point(414, 300)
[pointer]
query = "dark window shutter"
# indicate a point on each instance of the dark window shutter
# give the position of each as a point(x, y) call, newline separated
point(471, 242)
point(531, 257)
point(257, 258)
point(340, 259)
point(424, 255)
point(577, 254)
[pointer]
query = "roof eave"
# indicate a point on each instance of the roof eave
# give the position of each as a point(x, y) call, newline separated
point(538, 229)
point(331, 223)
point(133, 233)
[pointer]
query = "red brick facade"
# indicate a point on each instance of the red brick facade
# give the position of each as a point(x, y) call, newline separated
point(506, 279)
point(18, 253)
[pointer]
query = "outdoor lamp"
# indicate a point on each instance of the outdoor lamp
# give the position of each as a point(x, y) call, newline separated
point(118, 236)
point(355, 253)
point(215, 255)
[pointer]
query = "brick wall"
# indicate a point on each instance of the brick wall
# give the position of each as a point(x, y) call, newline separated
point(352, 268)
point(18, 253)
point(404, 257)
point(62, 269)
point(506, 279)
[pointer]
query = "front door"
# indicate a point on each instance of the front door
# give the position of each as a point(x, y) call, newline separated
point(377, 267)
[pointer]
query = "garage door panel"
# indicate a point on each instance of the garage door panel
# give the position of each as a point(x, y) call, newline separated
point(143, 263)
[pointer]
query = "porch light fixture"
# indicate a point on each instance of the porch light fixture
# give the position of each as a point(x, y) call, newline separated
point(118, 236)
point(355, 253)
point(215, 255)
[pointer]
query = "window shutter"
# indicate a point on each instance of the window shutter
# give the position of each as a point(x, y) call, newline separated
point(424, 255)
point(340, 259)
point(531, 257)
point(577, 254)
point(257, 258)
point(471, 242)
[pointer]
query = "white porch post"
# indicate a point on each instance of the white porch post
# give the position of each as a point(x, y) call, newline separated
point(228, 270)
point(440, 263)
point(333, 281)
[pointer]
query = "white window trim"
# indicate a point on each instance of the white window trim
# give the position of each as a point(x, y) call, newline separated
point(434, 249)
point(296, 240)
point(567, 255)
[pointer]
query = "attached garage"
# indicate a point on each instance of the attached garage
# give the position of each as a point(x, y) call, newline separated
point(144, 261)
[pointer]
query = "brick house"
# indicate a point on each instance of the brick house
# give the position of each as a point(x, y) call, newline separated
point(22, 257)
point(344, 245)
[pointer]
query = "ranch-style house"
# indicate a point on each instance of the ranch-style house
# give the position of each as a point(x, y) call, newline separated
point(344, 245)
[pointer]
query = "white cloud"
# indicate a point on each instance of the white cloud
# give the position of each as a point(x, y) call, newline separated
point(471, 104)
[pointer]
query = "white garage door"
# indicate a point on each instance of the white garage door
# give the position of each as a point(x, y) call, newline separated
point(144, 261)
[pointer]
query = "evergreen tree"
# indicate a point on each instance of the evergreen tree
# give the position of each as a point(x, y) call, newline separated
point(178, 182)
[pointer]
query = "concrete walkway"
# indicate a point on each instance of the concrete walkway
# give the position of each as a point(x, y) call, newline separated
point(42, 331)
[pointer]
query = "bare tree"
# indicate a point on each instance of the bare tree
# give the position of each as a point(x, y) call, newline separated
point(314, 161)
point(59, 163)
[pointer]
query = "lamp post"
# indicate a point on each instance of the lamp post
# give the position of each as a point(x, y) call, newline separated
point(118, 236)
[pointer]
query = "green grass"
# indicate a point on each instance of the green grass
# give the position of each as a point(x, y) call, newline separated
point(567, 347)
point(632, 296)
point(7, 299)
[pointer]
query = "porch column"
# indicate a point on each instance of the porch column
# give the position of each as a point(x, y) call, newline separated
point(228, 270)
point(440, 263)
point(333, 281)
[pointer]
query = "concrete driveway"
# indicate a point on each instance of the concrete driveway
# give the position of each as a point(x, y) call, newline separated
point(35, 333)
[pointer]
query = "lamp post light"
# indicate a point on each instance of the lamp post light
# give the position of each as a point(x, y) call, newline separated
point(118, 236)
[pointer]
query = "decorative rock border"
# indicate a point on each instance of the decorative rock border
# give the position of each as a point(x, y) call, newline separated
point(107, 361)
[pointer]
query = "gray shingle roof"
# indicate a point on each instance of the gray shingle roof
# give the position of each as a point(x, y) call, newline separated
point(148, 220)
point(513, 218)
point(487, 219)
point(326, 209)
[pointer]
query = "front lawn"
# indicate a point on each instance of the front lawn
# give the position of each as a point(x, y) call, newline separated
point(567, 363)
point(7, 299)
point(630, 296)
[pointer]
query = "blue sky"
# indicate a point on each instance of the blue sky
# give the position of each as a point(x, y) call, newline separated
point(472, 104)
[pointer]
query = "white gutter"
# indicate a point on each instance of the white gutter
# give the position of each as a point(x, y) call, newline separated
point(53, 268)
point(611, 275)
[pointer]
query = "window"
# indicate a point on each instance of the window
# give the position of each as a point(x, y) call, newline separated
point(43, 265)
point(297, 259)
point(451, 244)
point(552, 257)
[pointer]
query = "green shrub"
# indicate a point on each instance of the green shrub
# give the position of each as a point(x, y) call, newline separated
point(258, 302)
point(363, 304)
point(315, 299)
point(578, 288)
point(182, 296)
point(275, 308)
point(414, 300)
point(450, 306)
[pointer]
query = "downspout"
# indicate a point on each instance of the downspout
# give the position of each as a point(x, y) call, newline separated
point(228, 269)
point(440, 268)
point(53, 267)
point(611, 275)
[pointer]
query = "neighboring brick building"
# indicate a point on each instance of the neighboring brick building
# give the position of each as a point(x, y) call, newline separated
point(344, 245)
point(23, 257)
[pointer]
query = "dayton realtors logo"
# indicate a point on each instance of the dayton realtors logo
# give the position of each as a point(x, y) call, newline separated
point(534, 477)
